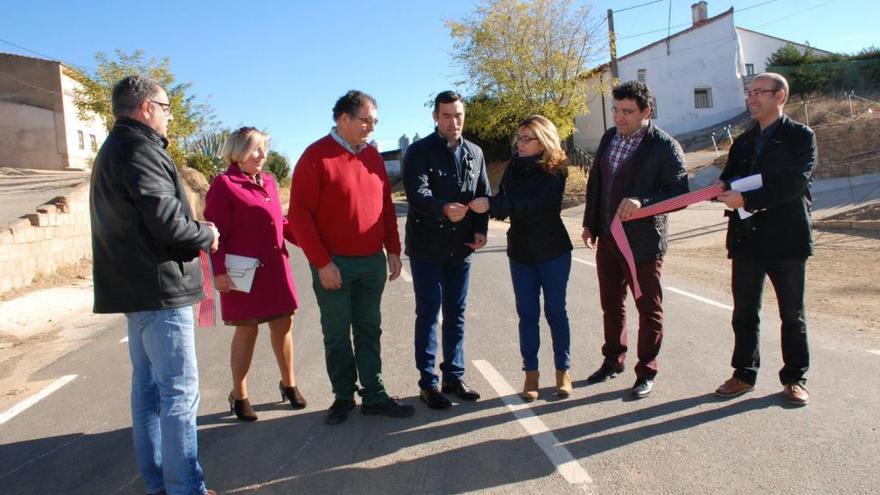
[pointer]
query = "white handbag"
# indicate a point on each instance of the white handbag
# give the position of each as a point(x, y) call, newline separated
point(241, 269)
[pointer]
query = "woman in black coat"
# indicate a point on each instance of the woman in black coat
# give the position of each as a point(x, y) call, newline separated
point(538, 246)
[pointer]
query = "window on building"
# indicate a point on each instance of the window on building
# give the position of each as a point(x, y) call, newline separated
point(82, 139)
point(641, 75)
point(703, 98)
point(94, 142)
point(750, 69)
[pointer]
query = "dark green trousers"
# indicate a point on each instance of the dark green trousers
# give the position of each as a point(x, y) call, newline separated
point(350, 311)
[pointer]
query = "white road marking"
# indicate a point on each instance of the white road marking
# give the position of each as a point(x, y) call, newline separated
point(700, 298)
point(124, 340)
point(491, 236)
point(590, 263)
point(405, 275)
point(568, 466)
point(874, 351)
point(42, 394)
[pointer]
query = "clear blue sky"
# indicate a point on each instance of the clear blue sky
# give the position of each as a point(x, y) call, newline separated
point(281, 65)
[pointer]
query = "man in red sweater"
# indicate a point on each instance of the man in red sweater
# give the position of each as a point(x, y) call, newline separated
point(342, 216)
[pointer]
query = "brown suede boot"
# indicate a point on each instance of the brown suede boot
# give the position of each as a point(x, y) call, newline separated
point(563, 383)
point(530, 387)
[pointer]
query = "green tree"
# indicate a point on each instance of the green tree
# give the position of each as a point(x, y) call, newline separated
point(190, 116)
point(279, 166)
point(523, 57)
point(203, 152)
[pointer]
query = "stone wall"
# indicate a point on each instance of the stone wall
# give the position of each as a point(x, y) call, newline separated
point(849, 149)
point(59, 233)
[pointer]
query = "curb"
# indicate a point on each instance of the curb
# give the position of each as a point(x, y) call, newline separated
point(848, 224)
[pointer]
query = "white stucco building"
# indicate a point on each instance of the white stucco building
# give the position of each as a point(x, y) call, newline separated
point(39, 124)
point(698, 76)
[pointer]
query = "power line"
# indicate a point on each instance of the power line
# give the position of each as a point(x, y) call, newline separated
point(9, 76)
point(27, 49)
point(637, 6)
point(798, 13)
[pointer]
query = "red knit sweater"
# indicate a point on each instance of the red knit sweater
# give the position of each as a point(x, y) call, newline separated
point(340, 204)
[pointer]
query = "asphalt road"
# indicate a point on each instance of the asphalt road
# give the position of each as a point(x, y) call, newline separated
point(681, 439)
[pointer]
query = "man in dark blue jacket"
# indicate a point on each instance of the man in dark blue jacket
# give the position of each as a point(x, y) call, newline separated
point(442, 173)
point(145, 246)
point(637, 165)
point(775, 240)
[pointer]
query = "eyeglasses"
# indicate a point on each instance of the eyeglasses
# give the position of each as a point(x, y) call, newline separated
point(524, 139)
point(759, 92)
point(166, 107)
point(368, 120)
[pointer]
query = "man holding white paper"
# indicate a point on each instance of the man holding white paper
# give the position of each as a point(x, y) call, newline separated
point(774, 240)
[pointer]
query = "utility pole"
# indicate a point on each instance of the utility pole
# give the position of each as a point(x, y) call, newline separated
point(612, 45)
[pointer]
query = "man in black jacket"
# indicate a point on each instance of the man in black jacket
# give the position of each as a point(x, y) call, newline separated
point(775, 240)
point(442, 173)
point(145, 247)
point(637, 165)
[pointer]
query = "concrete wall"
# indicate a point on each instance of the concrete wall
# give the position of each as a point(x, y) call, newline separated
point(757, 47)
point(93, 127)
point(590, 127)
point(28, 137)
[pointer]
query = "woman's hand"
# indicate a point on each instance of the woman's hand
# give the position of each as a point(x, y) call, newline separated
point(224, 283)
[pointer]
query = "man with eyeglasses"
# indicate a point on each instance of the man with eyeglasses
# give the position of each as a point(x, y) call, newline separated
point(145, 248)
point(638, 165)
point(774, 241)
point(442, 173)
point(342, 216)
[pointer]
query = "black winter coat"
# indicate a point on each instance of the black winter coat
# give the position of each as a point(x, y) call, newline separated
point(653, 172)
point(145, 241)
point(532, 198)
point(432, 180)
point(780, 227)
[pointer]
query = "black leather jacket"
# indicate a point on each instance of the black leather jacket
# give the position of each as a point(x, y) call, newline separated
point(781, 227)
point(145, 241)
point(532, 198)
point(654, 172)
point(432, 180)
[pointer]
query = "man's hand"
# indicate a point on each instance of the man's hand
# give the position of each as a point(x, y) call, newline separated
point(733, 199)
point(455, 211)
point(479, 205)
point(224, 283)
point(394, 266)
point(215, 244)
point(628, 206)
point(587, 237)
point(479, 241)
point(330, 277)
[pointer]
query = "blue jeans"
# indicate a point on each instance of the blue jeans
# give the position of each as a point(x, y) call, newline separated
point(529, 281)
point(440, 285)
point(165, 399)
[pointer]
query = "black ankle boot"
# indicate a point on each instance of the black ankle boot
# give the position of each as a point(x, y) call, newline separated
point(291, 394)
point(242, 409)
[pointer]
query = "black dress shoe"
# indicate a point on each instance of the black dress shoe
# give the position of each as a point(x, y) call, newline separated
point(642, 388)
point(461, 390)
point(389, 407)
point(292, 395)
point(605, 372)
point(242, 409)
point(434, 399)
point(338, 411)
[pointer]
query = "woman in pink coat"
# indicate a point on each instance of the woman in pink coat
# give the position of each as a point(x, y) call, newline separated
point(243, 204)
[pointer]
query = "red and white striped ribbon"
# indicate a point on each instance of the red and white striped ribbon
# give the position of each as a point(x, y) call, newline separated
point(666, 206)
point(205, 308)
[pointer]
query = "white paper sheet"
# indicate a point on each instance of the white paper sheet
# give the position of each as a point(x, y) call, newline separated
point(749, 183)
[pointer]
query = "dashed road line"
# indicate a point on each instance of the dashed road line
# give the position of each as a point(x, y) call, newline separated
point(42, 394)
point(568, 466)
point(405, 275)
point(874, 351)
point(699, 298)
point(124, 340)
